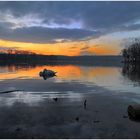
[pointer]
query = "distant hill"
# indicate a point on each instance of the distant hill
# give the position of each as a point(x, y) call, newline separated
point(59, 59)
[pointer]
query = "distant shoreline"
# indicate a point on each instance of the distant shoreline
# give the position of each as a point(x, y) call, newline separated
point(31, 59)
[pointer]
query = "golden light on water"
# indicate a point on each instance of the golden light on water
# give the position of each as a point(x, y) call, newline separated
point(69, 72)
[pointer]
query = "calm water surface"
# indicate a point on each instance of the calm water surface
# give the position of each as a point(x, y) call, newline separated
point(71, 82)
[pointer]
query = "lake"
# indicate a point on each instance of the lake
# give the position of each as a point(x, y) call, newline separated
point(104, 87)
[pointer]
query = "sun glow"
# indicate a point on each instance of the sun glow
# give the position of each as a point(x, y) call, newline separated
point(104, 50)
point(63, 48)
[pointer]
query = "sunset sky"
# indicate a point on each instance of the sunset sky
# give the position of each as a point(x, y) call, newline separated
point(68, 28)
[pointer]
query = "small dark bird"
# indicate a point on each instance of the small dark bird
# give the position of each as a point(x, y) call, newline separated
point(85, 104)
point(55, 99)
point(96, 121)
point(18, 129)
point(77, 118)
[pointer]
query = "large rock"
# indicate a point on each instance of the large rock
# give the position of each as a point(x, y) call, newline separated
point(134, 111)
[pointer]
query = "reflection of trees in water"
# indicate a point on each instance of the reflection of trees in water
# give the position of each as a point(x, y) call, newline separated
point(24, 67)
point(13, 68)
point(132, 72)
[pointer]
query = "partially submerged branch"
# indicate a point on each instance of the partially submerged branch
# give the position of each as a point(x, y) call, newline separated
point(9, 91)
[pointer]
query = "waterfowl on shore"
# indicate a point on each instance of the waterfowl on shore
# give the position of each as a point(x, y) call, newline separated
point(55, 99)
point(85, 104)
point(77, 118)
point(97, 121)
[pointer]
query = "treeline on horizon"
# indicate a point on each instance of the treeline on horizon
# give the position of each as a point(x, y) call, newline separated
point(43, 59)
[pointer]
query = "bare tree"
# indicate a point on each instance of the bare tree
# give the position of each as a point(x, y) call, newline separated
point(131, 54)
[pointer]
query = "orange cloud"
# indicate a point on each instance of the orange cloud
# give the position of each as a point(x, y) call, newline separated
point(65, 48)
point(104, 50)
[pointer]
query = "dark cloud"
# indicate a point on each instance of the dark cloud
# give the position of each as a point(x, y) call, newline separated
point(93, 14)
point(85, 48)
point(130, 27)
point(74, 47)
point(102, 17)
point(84, 51)
point(45, 35)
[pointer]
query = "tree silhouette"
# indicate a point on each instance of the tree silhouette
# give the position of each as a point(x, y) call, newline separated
point(131, 54)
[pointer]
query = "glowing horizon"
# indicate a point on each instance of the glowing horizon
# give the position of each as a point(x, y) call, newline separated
point(65, 48)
